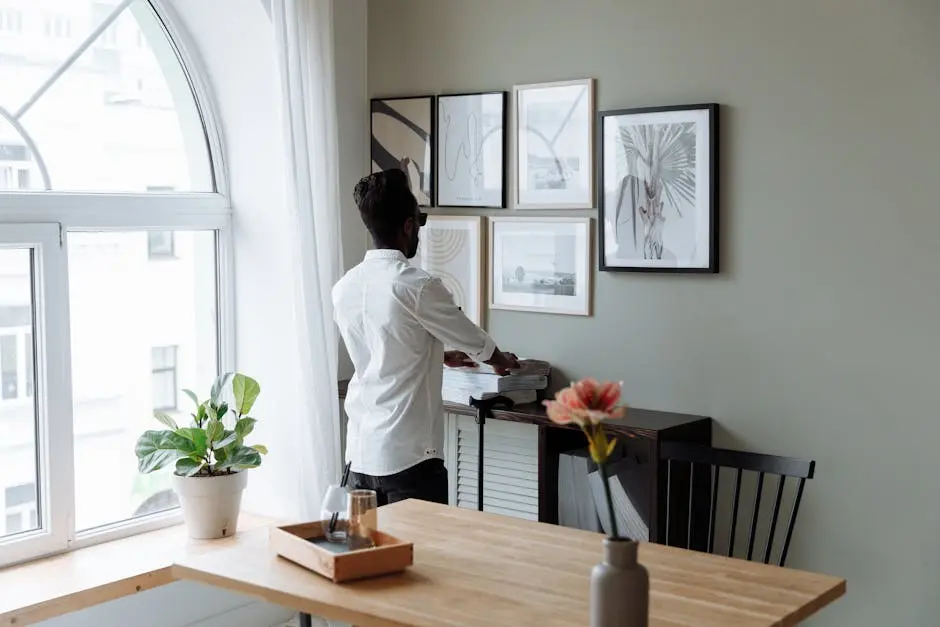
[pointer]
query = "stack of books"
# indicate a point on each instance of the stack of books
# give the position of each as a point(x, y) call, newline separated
point(521, 386)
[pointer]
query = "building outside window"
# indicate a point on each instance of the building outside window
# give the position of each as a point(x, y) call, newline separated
point(164, 378)
point(93, 336)
point(11, 21)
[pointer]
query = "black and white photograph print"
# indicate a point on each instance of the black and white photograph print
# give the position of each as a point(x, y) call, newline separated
point(471, 150)
point(402, 137)
point(659, 189)
point(541, 264)
point(554, 145)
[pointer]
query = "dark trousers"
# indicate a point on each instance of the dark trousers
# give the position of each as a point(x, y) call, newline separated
point(426, 481)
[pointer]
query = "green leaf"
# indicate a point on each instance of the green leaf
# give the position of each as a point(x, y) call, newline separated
point(228, 438)
point(211, 411)
point(192, 395)
point(219, 384)
point(196, 441)
point(187, 466)
point(215, 431)
point(156, 449)
point(221, 454)
point(223, 409)
point(241, 458)
point(261, 448)
point(244, 426)
point(201, 415)
point(166, 420)
point(246, 391)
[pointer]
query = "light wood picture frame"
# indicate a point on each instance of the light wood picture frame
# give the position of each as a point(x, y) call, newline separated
point(451, 248)
point(553, 145)
point(541, 264)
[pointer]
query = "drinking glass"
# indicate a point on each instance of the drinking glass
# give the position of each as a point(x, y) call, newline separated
point(334, 514)
point(362, 518)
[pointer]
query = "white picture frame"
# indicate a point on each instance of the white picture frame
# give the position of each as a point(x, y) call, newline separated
point(451, 249)
point(541, 264)
point(471, 150)
point(553, 145)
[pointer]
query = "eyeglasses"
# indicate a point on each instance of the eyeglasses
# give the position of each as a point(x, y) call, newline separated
point(422, 218)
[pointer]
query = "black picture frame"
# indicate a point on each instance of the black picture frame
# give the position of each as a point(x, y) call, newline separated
point(384, 157)
point(711, 212)
point(504, 150)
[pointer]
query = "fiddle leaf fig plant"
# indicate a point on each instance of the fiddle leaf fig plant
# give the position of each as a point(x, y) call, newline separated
point(213, 443)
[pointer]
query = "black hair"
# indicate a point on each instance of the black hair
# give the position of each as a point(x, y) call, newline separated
point(385, 203)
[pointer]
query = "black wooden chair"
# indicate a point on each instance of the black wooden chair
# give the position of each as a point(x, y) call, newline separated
point(695, 471)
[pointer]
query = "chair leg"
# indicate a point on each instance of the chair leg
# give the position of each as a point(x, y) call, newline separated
point(305, 620)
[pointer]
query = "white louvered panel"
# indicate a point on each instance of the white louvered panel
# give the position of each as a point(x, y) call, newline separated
point(510, 472)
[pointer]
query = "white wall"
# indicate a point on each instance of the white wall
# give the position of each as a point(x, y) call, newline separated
point(239, 56)
point(819, 338)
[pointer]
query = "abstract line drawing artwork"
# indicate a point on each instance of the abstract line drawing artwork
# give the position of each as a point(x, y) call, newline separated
point(658, 180)
point(554, 145)
point(451, 249)
point(403, 137)
point(471, 150)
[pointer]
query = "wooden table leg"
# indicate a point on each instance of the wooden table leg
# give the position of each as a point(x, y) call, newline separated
point(305, 620)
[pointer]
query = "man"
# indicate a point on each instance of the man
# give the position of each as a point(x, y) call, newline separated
point(395, 320)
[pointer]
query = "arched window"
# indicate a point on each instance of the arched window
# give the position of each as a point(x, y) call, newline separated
point(114, 290)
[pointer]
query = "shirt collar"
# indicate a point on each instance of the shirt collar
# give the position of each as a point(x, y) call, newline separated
point(385, 253)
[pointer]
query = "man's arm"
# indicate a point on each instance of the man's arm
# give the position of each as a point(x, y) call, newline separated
point(438, 313)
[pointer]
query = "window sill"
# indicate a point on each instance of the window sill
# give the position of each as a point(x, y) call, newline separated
point(81, 578)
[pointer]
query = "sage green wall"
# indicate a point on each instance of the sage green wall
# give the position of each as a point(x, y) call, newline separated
point(820, 336)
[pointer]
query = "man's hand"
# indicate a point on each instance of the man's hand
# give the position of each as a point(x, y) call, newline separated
point(503, 362)
point(458, 359)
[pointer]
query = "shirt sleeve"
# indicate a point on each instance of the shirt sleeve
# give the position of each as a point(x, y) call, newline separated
point(439, 314)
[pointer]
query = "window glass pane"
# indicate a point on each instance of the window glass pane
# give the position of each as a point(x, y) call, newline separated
point(18, 452)
point(120, 117)
point(141, 331)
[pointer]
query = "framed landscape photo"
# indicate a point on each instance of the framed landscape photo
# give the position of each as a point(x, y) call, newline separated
point(402, 132)
point(451, 248)
point(553, 145)
point(541, 264)
point(658, 180)
point(471, 150)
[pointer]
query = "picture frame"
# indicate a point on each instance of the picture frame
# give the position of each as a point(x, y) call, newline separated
point(541, 264)
point(662, 215)
point(553, 145)
point(451, 249)
point(402, 136)
point(471, 150)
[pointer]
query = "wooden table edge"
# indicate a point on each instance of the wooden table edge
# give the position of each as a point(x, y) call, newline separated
point(83, 599)
point(820, 603)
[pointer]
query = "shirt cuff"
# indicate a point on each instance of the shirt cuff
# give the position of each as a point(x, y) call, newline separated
point(486, 353)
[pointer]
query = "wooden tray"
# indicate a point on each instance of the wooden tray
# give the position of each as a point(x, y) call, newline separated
point(299, 544)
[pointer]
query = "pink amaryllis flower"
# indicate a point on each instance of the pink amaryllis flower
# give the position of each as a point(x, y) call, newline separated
point(587, 403)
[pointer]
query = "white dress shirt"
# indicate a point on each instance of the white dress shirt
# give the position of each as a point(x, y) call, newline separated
point(395, 320)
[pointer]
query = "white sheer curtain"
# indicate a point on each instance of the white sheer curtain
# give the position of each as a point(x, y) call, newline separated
point(307, 431)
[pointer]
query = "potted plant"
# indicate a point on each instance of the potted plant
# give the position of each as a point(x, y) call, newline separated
point(619, 584)
point(209, 455)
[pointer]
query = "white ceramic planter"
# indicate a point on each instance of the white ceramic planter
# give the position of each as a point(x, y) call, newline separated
point(211, 504)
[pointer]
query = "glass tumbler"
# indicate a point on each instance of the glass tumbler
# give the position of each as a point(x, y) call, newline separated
point(362, 518)
point(335, 514)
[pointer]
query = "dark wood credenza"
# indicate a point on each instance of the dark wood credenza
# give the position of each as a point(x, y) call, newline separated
point(640, 434)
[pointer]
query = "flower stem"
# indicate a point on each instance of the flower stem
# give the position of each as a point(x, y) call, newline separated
point(610, 502)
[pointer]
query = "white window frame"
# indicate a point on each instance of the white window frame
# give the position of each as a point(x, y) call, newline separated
point(52, 391)
point(43, 220)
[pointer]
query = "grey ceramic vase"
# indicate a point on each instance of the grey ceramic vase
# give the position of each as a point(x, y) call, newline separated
point(620, 587)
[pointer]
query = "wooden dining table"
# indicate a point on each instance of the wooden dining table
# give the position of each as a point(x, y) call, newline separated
point(477, 568)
